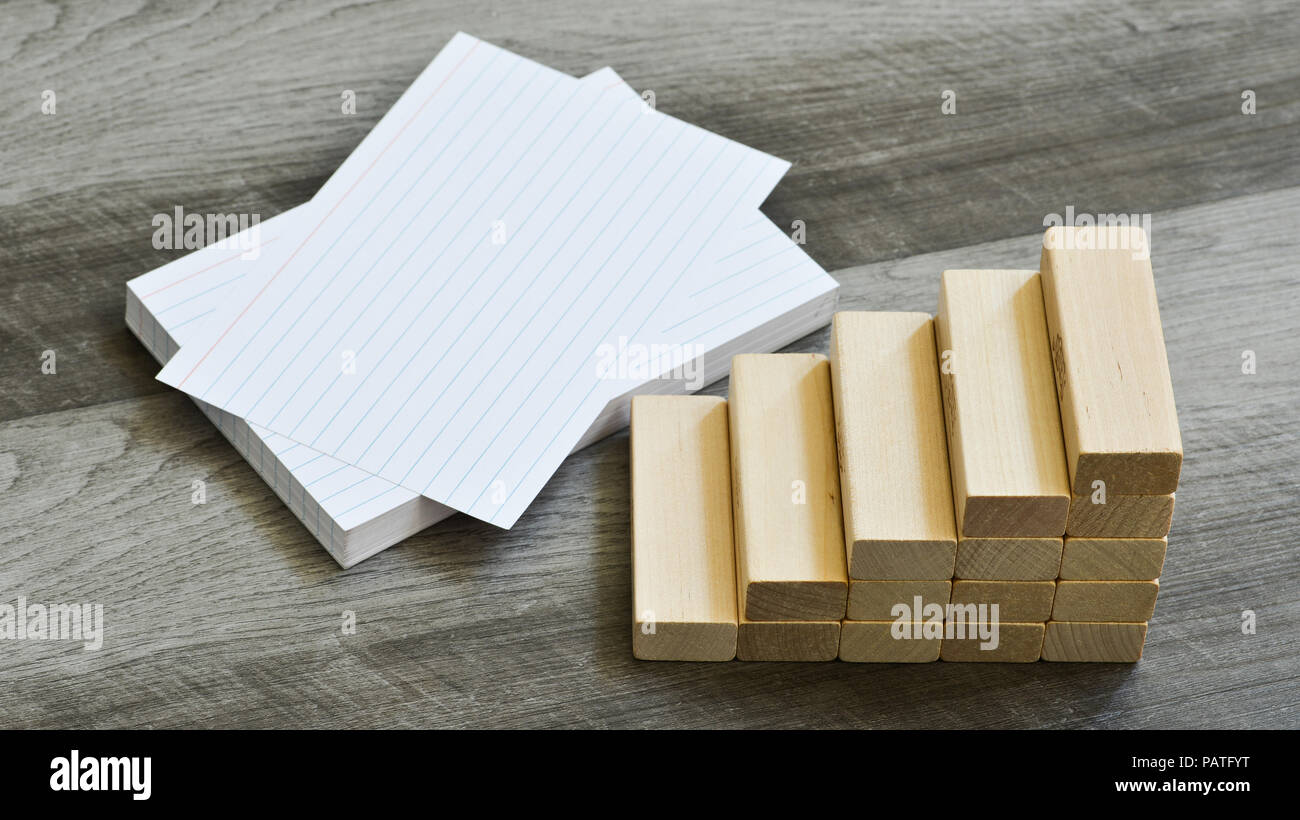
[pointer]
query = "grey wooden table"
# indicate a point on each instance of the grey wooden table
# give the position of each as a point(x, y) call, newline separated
point(229, 614)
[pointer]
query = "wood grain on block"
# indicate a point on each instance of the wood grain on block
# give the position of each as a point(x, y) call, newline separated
point(683, 560)
point(1017, 601)
point(787, 640)
point(1122, 516)
point(999, 397)
point(1112, 559)
point(879, 642)
point(1007, 559)
point(1118, 601)
point(785, 489)
point(875, 600)
point(1108, 352)
point(1094, 642)
point(1016, 643)
point(898, 515)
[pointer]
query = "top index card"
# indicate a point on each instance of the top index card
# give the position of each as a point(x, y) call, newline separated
point(460, 270)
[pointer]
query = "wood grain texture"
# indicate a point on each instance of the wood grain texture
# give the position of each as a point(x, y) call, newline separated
point(1018, 601)
point(1094, 642)
point(1105, 601)
point(875, 600)
point(785, 489)
point(683, 558)
point(898, 515)
point(228, 614)
point(1122, 516)
point(875, 642)
point(1112, 370)
point(1007, 559)
point(1016, 643)
point(999, 399)
point(1113, 559)
point(802, 641)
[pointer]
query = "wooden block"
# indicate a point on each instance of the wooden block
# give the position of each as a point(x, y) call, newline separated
point(898, 515)
point(788, 640)
point(1122, 516)
point(877, 642)
point(1108, 352)
point(683, 562)
point(1017, 601)
point(1004, 429)
point(1094, 642)
point(1016, 643)
point(786, 493)
point(875, 600)
point(1007, 559)
point(1106, 601)
point(1112, 559)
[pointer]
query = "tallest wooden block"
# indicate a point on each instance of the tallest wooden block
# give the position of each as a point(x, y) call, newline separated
point(1108, 353)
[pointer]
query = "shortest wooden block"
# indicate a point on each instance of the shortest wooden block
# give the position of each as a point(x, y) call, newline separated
point(1094, 642)
point(1015, 643)
point(1008, 559)
point(787, 640)
point(1110, 601)
point(1122, 516)
point(1017, 601)
point(875, 600)
point(887, 642)
point(1113, 559)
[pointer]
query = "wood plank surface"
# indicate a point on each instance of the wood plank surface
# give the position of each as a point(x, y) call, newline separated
point(876, 642)
point(1121, 516)
point(875, 600)
point(1019, 601)
point(1094, 642)
point(1113, 559)
point(1105, 601)
point(1016, 643)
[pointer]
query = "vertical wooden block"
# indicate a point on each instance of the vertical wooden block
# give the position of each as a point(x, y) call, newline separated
point(787, 640)
point(1122, 516)
point(1017, 601)
point(1004, 429)
point(1108, 351)
point(1113, 559)
point(898, 515)
point(1016, 643)
point(875, 600)
point(878, 642)
point(785, 489)
point(1007, 559)
point(1094, 642)
point(1105, 601)
point(683, 561)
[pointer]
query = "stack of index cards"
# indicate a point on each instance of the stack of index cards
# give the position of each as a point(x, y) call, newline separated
point(504, 261)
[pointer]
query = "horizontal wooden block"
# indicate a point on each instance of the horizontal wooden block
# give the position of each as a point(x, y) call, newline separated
point(898, 515)
point(1111, 559)
point(683, 561)
point(1106, 601)
point(1094, 642)
point(875, 600)
point(1004, 428)
point(1112, 370)
point(1122, 516)
point(879, 642)
point(788, 640)
point(785, 489)
point(1017, 601)
point(1016, 643)
point(1007, 559)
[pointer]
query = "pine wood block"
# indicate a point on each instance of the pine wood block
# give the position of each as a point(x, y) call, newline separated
point(1017, 601)
point(898, 514)
point(1108, 352)
point(1122, 516)
point(683, 561)
point(1112, 559)
point(1016, 643)
point(875, 600)
point(878, 642)
point(788, 640)
point(1007, 559)
point(1094, 642)
point(1105, 601)
point(786, 494)
point(1004, 429)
